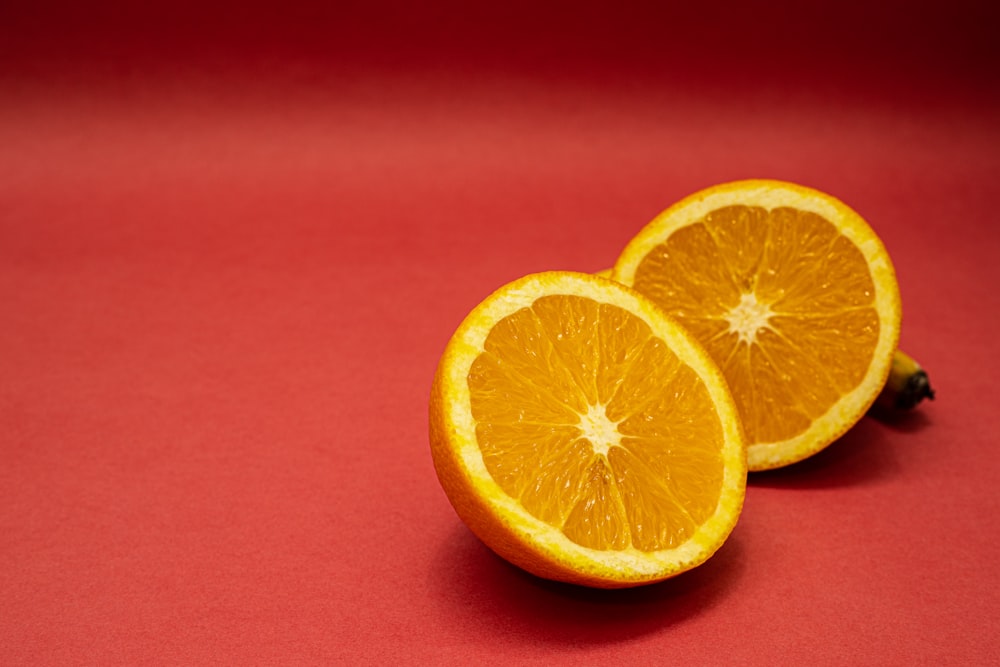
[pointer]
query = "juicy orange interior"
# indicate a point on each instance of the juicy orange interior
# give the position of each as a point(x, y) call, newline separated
point(595, 426)
point(783, 302)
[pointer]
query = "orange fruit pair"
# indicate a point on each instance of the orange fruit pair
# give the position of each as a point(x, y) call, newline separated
point(598, 431)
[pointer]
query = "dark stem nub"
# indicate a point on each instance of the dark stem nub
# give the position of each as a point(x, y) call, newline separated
point(917, 388)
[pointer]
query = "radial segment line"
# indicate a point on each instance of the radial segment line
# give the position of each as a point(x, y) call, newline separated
point(764, 245)
point(514, 375)
point(718, 248)
point(754, 272)
point(656, 479)
point(752, 386)
point(732, 353)
point(618, 498)
point(798, 348)
point(577, 490)
point(565, 363)
point(637, 408)
point(722, 333)
point(548, 424)
point(827, 313)
point(627, 370)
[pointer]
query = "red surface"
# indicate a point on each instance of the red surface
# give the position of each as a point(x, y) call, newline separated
point(235, 239)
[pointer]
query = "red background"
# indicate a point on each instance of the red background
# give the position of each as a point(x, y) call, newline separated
point(235, 239)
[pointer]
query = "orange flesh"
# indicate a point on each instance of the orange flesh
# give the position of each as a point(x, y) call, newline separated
point(782, 302)
point(590, 422)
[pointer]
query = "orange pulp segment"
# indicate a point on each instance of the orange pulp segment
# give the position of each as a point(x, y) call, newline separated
point(584, 436)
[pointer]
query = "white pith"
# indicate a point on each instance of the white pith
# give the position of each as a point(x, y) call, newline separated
point(599, 430)
point(748, 317)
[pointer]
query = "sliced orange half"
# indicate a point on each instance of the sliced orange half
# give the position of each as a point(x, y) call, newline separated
point(585, 436)
point(792, 294)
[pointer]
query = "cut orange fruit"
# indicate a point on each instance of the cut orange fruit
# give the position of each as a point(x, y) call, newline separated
point(792, 294)
point(585, 436)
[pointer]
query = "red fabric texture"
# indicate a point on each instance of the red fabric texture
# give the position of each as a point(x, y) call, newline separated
point(235, 239)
